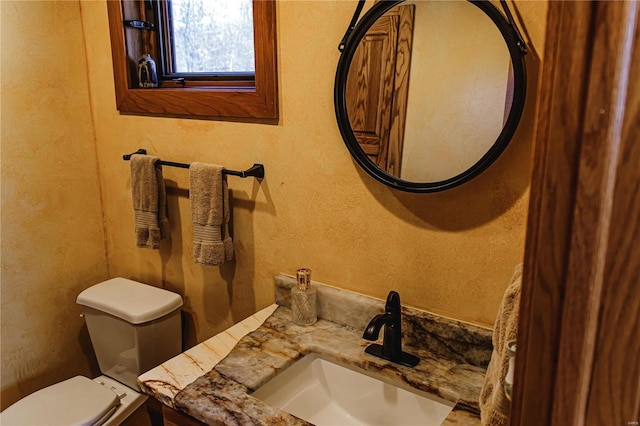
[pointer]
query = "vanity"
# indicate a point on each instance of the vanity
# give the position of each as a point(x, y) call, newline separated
point(217, 381)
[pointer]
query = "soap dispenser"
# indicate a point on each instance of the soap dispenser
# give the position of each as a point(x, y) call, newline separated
point(303, 299)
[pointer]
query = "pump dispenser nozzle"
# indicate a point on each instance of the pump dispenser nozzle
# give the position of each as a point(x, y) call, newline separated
point(304, 278)
point(303, 299)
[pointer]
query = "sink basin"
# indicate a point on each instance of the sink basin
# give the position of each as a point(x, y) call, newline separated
point(325, 393)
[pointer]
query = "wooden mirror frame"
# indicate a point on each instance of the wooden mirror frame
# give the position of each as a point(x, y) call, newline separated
point(516, 52)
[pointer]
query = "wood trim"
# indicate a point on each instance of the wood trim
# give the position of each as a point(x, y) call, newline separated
point(578, 185)
point(258, 102)
point(550, 206)
point(614, 395)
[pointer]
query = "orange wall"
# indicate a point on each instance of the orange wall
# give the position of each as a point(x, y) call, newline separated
point(450, 253)
point(52, 231)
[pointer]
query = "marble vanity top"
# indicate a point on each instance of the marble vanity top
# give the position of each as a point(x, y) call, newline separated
point(453, 358)
point(165, 381)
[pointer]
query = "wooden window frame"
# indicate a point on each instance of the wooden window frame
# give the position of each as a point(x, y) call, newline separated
point(218, 100)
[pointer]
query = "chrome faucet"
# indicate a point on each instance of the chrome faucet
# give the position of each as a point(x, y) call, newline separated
point(391, 348)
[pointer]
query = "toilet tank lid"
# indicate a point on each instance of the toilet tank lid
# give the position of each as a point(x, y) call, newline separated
point(129, 300)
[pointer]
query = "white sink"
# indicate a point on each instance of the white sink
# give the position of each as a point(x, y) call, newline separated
point(325, 393)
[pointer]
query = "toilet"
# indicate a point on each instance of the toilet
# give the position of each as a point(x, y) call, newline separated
point(134, 327)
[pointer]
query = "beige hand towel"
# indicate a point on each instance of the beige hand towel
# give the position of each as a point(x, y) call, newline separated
point(494, 405)
point(209, 209)
point(149, 201)
point(226, 240)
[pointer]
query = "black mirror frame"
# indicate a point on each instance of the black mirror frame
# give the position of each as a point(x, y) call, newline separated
point(516, 51)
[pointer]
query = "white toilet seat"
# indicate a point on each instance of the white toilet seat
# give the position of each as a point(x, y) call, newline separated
point(76, 401)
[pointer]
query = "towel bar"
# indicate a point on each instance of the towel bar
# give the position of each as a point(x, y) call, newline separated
point(256, 171)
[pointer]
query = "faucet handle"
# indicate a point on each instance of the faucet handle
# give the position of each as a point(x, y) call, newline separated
point(391, 348)
point(393, 303)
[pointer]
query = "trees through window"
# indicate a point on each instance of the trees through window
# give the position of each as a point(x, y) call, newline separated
point(212, 36)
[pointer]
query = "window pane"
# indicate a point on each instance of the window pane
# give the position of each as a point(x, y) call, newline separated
point(212, 36)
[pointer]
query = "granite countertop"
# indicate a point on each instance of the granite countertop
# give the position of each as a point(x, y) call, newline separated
point(453, 358)
point(169, 378)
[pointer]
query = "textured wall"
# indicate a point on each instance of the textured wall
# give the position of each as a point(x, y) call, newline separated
point(447, 102)
point(52, 231)
point(451, 253)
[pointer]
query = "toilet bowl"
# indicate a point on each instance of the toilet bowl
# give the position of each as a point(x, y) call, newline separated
point(133, 327)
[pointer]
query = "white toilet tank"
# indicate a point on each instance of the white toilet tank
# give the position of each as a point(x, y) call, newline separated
point(134, 327)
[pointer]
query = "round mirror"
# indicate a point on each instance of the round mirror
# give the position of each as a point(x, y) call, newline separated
point(429, 93)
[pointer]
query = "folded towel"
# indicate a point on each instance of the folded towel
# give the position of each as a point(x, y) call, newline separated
point(209, 212)
point(149, 201)
point(494, 405)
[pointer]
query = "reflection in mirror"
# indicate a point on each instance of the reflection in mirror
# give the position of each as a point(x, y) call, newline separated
point(449, 97)
point(377, 87)
point(429, 93)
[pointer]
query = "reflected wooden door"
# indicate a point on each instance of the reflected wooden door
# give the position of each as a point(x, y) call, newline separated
point(378, 85)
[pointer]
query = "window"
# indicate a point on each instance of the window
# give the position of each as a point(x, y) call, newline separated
point(210, 37)
point(214, 59)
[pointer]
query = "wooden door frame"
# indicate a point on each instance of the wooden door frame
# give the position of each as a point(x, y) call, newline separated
point(580, 262)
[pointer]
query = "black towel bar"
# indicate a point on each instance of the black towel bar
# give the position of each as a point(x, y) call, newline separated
point(256, 171)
